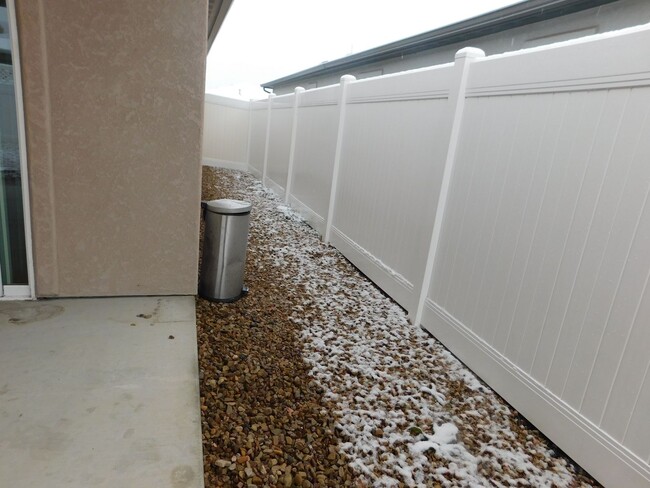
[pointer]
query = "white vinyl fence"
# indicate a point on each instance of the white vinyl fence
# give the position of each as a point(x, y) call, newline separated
point(503, 202)
point(226, 132)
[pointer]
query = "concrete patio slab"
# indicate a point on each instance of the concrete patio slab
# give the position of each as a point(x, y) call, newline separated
point(99, 392)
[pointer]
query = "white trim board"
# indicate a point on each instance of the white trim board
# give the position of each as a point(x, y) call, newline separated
point(17, 292)
point(24, 174)
point(602, 456)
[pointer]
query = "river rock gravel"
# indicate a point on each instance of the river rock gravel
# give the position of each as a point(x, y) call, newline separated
point(316, 378)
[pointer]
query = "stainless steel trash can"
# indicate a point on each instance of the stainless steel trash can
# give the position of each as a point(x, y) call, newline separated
point(224, 249)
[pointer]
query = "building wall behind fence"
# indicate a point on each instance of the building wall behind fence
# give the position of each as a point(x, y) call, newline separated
point(503, 201)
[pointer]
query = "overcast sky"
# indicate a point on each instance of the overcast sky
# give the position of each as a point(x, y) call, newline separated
point(262, 40)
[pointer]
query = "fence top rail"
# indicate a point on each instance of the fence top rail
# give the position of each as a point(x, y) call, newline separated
point(283, 99)
point(612, 38)
point(323, 89)
point(326, 95)
point(620, 33)
point(226, 101)
point(597, 62)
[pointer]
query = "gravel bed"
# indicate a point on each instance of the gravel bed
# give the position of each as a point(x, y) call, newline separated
point(316, 378)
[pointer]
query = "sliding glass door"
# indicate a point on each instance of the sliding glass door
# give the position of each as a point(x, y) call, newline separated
point(13, 256)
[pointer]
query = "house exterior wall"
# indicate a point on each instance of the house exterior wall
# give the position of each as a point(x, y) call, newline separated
point(113, 100)
point(608, 17)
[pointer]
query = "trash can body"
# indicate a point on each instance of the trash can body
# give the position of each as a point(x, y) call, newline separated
point(224, 249)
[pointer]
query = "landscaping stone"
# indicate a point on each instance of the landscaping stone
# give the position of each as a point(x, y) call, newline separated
point(316, 378)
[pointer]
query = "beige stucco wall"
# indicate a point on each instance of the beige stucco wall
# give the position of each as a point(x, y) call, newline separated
point(113, 95)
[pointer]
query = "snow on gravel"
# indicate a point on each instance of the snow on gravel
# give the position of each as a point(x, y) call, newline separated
point(410, 414)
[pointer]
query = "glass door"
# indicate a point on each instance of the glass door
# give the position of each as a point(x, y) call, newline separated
point(13, 257)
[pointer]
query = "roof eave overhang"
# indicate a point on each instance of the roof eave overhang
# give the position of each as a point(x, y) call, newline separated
point(217, 10)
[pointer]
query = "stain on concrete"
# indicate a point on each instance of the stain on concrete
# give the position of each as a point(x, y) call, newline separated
point(113, 377)
point(182, 476)
point(41, 441)
point(91, 409)
point(156, 311)
point(4, 389)
point(140, 452)
point(29, 312)
point(144, 451)
point(154, 316)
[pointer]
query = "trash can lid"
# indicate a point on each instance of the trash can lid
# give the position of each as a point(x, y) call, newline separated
point(227, 206)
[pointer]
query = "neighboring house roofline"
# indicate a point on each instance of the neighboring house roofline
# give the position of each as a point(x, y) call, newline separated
point(517, 15)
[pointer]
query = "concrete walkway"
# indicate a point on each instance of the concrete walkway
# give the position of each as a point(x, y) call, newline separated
point(99, 392)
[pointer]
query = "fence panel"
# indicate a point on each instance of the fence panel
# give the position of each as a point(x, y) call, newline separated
point(225, 132)
point(541, 280)
point(314, 154)
point(540, 257)
point(394, 148)
point(279, 142)
point(257, 137)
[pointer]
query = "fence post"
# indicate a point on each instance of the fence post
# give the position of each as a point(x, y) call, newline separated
point(463, 61)
point(250, 134)
point(292, 151)
point(268, 137)
point(345, 81)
